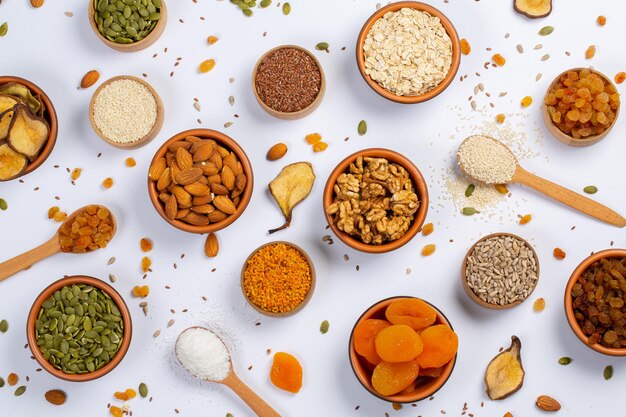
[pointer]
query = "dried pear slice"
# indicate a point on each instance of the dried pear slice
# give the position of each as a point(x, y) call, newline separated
point(505, 373)
point(292, 185)
point(7, 102)
point(17, 89)
point(12, 164)
point(28, 133)
point(533, 9)
point(5, 123)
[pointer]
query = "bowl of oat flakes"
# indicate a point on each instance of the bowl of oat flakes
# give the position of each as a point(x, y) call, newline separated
point(375, 200)
point(408, 52)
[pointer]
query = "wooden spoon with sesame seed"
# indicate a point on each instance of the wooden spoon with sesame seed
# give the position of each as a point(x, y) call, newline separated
point(488, 161)
point(51, 247)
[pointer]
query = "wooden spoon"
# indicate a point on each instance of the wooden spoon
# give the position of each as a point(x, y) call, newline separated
point(232, 381)
point(51, 247)
point(555, 191)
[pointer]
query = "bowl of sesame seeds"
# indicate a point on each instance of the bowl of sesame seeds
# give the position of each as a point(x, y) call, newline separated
point(288, 82)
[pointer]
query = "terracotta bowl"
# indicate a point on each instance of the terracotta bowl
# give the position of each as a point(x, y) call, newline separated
point(564, 137)
point(50, 116)
point(228, 143)
point(418, 182)
point(471, 292)
point(158, 123)
point(361, 369)
point(293, 115)
point(34, 312)
point(569, 311)
point(448, 26)
point(306, 299)
point(130, 47)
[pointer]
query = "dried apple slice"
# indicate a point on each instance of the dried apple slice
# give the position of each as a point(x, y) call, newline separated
point(16, 89)
point(5, 123)
point(533, 9)
point(7, 102)
point(12, 164)
point(505, 373)
point(292, 185)
point(27, 133)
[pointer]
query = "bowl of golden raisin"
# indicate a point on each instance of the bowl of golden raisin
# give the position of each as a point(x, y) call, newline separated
point(581, 107)
point(403, 349)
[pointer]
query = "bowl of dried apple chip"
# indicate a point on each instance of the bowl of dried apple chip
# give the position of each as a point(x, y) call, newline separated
point(28, 127)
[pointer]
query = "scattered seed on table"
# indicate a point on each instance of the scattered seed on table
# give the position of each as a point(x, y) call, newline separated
point(324, 327)
point(4, 326)
point(22, 389)
point(3, 204)
point(608, 372)
point(362, 127)
point(565, 360)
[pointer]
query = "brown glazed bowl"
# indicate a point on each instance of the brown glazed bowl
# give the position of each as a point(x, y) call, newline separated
point(34, 312)
point(564, 137)
point(569, 310)
point(362, 371)
point(50, 116)
point(448, 26)
point(229, 144)
point(135, 46)
point(418, 182)
point(470, 292)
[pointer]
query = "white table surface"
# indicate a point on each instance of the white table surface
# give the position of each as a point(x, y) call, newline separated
point(54, 50)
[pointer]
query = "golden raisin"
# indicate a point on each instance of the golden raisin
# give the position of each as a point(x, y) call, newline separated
point(525, 219)
point(145, 244)
point(428, 229)
point(207, 66)
point(498, 60)
point(601, 20)
point(141, 291)
point(501, 188)
point(212, 39)
point(145, 264)
point(313, 138)
point(465, 47)
point(107, 183)
point(76, 173)
point(59, 216)
point(52, 211)
point(527, 101)
point(590, 52)
point(620, 77)
point(116, 411)
point(500, 118)
point(396, 406)
point(12, 379)
point(130, 162)
point(121, 396)
point(131, 393)
point(539, 305)
point(559, 253)
point(428, 250)
point(320, 147)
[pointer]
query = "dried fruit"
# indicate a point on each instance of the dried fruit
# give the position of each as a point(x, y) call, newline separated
point(211, 246)
point(546, 403)
point(89, 79)
point(440, 346)
point(364, 337)
point(412, 312)
point(276, 152)
point(546, 30)
point(428, 250)
point(12, 164)
point(601, 20)
point(313, 138)
point(590, 189)
point(90, 229)
point(526, 101)
point(565, 360)
point(505, 373)
point(130, 162)
point(56, 397)
point(324, 327)
point(145, 244)
point(525, 219)
point(465, 47)
point(391, 378)
point(107, 183)
point(500, 118)
point(141, 291)
point(559, 253)
point(539, 305)
point(398, 343)
point(498, 59)
point(362, 127)
point(28, 132)
point(116, 411)
point(292, 185)
point(36, 3)
point(212, 39)
point(428, 229)
point(206, 66)
point(286, 372)
point(320, 147)
point(12, 379)
point(620, 77)
point(533, 8)
point(145, 264)
point(608, 372)
point(501, 188)
point(590, 52)
point(130, 393)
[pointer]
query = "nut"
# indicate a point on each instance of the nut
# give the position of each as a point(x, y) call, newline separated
point(37, 4)
point(547, 403)
point(55, 396)
point(91, 77)
point(211, 246)
point(224, 204)
point(184, 160)
point(188, 176)
point(276, 152)
point(157, 169)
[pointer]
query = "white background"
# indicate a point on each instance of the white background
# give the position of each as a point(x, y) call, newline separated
point(54, 51)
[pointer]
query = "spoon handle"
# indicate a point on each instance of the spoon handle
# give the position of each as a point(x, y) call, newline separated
point(28, 259)
point(256, 403)
point(569, 197)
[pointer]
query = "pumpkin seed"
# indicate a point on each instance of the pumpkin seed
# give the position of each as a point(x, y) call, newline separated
point(143, 390)
point(322, 46)
point(4, 326)
point(3, 204)
point(608, 372)
point(546, 30)
point(362, 127)
point(20, 390)
point(324, 327)
point(286, 9)
point(265, 3)
point(590, 189)
point(469, 211)
point(127, 21)
point(247, 12)
point(4, 29)
point(565, 360)
point(470, 190)
point(1, 382)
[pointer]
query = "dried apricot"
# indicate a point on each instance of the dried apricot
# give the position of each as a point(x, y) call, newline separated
point(364, 336)
point(465, 47)
point(145, 244)
point(559, 253)
point(206, 66)
point(498, 60)
point(428, 250)
point(320, 147)
point(286, 372)
point(413, 312)
point(398, 343)
point(145, 264)
point(440, 346)
point(431, 372)
point(391, 378)
point(428, 229)
point(601, 20)
point(500, 118)
point(590, 52)
point(525, 219)
point(313, 138)
point(130, 162)
point(526, 101)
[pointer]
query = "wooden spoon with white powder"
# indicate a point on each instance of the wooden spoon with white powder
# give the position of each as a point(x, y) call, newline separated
point(488, 161)
point(203, 354)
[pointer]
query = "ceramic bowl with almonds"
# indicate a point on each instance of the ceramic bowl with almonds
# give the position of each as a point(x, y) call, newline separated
point(200, 181)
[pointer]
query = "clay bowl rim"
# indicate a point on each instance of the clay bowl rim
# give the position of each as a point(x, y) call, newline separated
point(115, 296)
point(228, 143)
point(156, 127)
point(135, 46)
point(300, 113)
point(355, 362)
point(471, 292)
point(418, 182)
point(50, 116)
point(569, 312)
point(448, 26)
point(564, 137)
point(308, 296)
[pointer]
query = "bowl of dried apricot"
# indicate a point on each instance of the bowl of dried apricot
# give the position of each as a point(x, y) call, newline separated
point(595, 298)
point(403, 349)
point(200, 181)
point(581, 106)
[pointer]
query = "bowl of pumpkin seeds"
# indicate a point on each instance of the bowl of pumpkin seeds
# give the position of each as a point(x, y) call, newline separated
point(79, 328)
point(128, 25)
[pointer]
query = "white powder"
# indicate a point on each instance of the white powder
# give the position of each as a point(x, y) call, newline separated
point(487, 160)
point(203, 354)
point(124, 111)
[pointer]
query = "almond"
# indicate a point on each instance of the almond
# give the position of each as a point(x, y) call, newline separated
point(91, 77)
point(183, 159)
point(192, 139)
point(171, 208)
point(203, 209)
point(230, 161)
point(196, 219)
point(204, 152)
point(55, 396)
point(156, 169)
point(37, 4)
point(228, 178)
point(208, 168)
point(217, 216)
point(547, 403)
point(182, 197)
point(197, 189)
point(216, 159)
point(174, 170)
point(223, 151)
point(173, 147)
point(164, 180)
point(276, 152)
point(182, 214)
point(214, 179)
point(240, 182)
point(211, 246)
point(219, 189)
point(188, 176)
point(223, 203)
point(164, 197)
point(198, 201)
